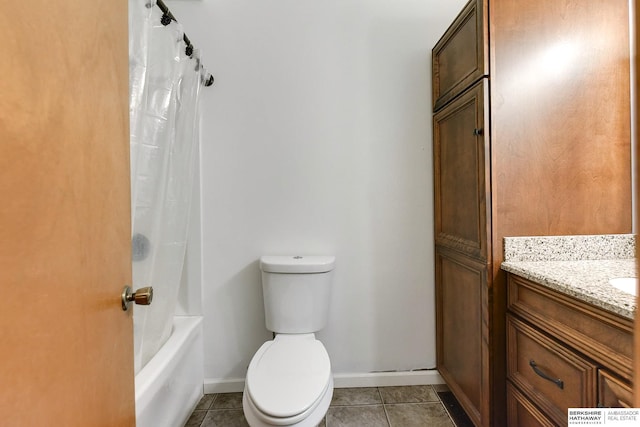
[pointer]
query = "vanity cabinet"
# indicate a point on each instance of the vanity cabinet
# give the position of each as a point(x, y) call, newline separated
point(614, 392)
point(531, 136)
point(563, 353)
point(549, 374)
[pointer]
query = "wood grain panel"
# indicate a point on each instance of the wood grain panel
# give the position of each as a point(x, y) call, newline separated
point(560, 117)
point(579, 375)
point(460, 57)
point(636, 179)
point(65, 219)
point(461, 156)
point(557, 125)
point(522, 413)
point(605, 337)
point(462, 329)
point(613, 392)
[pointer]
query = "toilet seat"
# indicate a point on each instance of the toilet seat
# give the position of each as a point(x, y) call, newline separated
point(288, 377)
point(309, 418)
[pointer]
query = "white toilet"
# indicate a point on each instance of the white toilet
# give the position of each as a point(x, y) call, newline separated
point(289, 381)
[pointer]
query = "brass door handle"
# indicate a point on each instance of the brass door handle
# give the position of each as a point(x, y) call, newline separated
point(142, 296)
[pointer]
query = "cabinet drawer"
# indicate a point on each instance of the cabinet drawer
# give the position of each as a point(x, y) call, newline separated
point(605, 337)
point(521, 412)
point(613, 392)
point(549, 374)
point(460, 56)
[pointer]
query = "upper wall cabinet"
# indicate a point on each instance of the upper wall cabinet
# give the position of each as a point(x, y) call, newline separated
point(461, 56)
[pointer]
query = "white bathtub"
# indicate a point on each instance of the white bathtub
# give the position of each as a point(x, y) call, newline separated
point(170, 385)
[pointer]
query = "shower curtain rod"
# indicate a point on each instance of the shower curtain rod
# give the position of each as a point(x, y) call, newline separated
point(166, 19)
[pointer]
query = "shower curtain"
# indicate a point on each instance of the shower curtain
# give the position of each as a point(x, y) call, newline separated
point(164, 87)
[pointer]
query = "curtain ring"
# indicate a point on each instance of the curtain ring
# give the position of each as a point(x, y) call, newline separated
point(165, 20)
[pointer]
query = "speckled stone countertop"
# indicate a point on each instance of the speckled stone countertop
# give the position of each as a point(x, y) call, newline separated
point(578, 266)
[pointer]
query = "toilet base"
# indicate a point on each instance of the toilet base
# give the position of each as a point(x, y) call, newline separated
point(312, 420)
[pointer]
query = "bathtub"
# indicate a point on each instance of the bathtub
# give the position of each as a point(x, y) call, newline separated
point(170, 385)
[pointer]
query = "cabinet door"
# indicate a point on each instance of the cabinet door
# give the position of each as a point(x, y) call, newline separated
point(613, 392)
point(460, 57)
point(462, 330)
point(461, 177)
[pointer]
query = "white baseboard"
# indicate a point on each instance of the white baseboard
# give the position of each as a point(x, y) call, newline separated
point(386, 379)
point(212, 385)
point(369, 379)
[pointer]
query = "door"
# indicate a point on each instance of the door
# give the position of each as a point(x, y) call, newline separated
point(461, 328)
point(462, 230)
point(461, 177)
point(636, 193)
point(66, 353)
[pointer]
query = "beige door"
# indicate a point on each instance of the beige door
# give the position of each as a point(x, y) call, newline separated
point(65, 343)
point(636, 117)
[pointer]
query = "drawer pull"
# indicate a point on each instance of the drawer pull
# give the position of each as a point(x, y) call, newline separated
point(540, 372)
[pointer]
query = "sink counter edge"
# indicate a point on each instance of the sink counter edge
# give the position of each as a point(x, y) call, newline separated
point(585, 280)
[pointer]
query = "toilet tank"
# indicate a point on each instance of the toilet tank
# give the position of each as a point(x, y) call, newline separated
point(296, 291)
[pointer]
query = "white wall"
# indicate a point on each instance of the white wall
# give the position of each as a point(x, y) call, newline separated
point(316, 139)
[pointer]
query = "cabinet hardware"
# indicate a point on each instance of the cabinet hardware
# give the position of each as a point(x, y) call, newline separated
point(477, 132)
point(142, 296)
point(540, 372)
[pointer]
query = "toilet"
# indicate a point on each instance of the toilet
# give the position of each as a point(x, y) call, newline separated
point(289, 380)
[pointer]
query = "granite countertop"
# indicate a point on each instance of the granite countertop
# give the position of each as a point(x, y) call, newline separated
point(578, 266)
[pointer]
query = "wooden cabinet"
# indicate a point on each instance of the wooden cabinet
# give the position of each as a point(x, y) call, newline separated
point(522, 413)
point(563, 353)
point(461, 179)
point(606, 337)
point(531, 136)
point(613, 392)
point(553, 377)
point(462, 354)
point(460, 58)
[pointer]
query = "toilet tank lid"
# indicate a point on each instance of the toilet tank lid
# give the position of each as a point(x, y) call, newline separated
point(297, 264)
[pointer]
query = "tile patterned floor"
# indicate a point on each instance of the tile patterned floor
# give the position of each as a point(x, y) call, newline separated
point(406, 406)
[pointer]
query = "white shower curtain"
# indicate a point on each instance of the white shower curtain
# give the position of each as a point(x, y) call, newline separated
point(164, 92)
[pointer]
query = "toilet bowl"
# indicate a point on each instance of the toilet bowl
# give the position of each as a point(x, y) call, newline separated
point(289, 380)
point(289, 383)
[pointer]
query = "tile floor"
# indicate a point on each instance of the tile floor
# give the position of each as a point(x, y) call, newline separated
point(406, 406)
